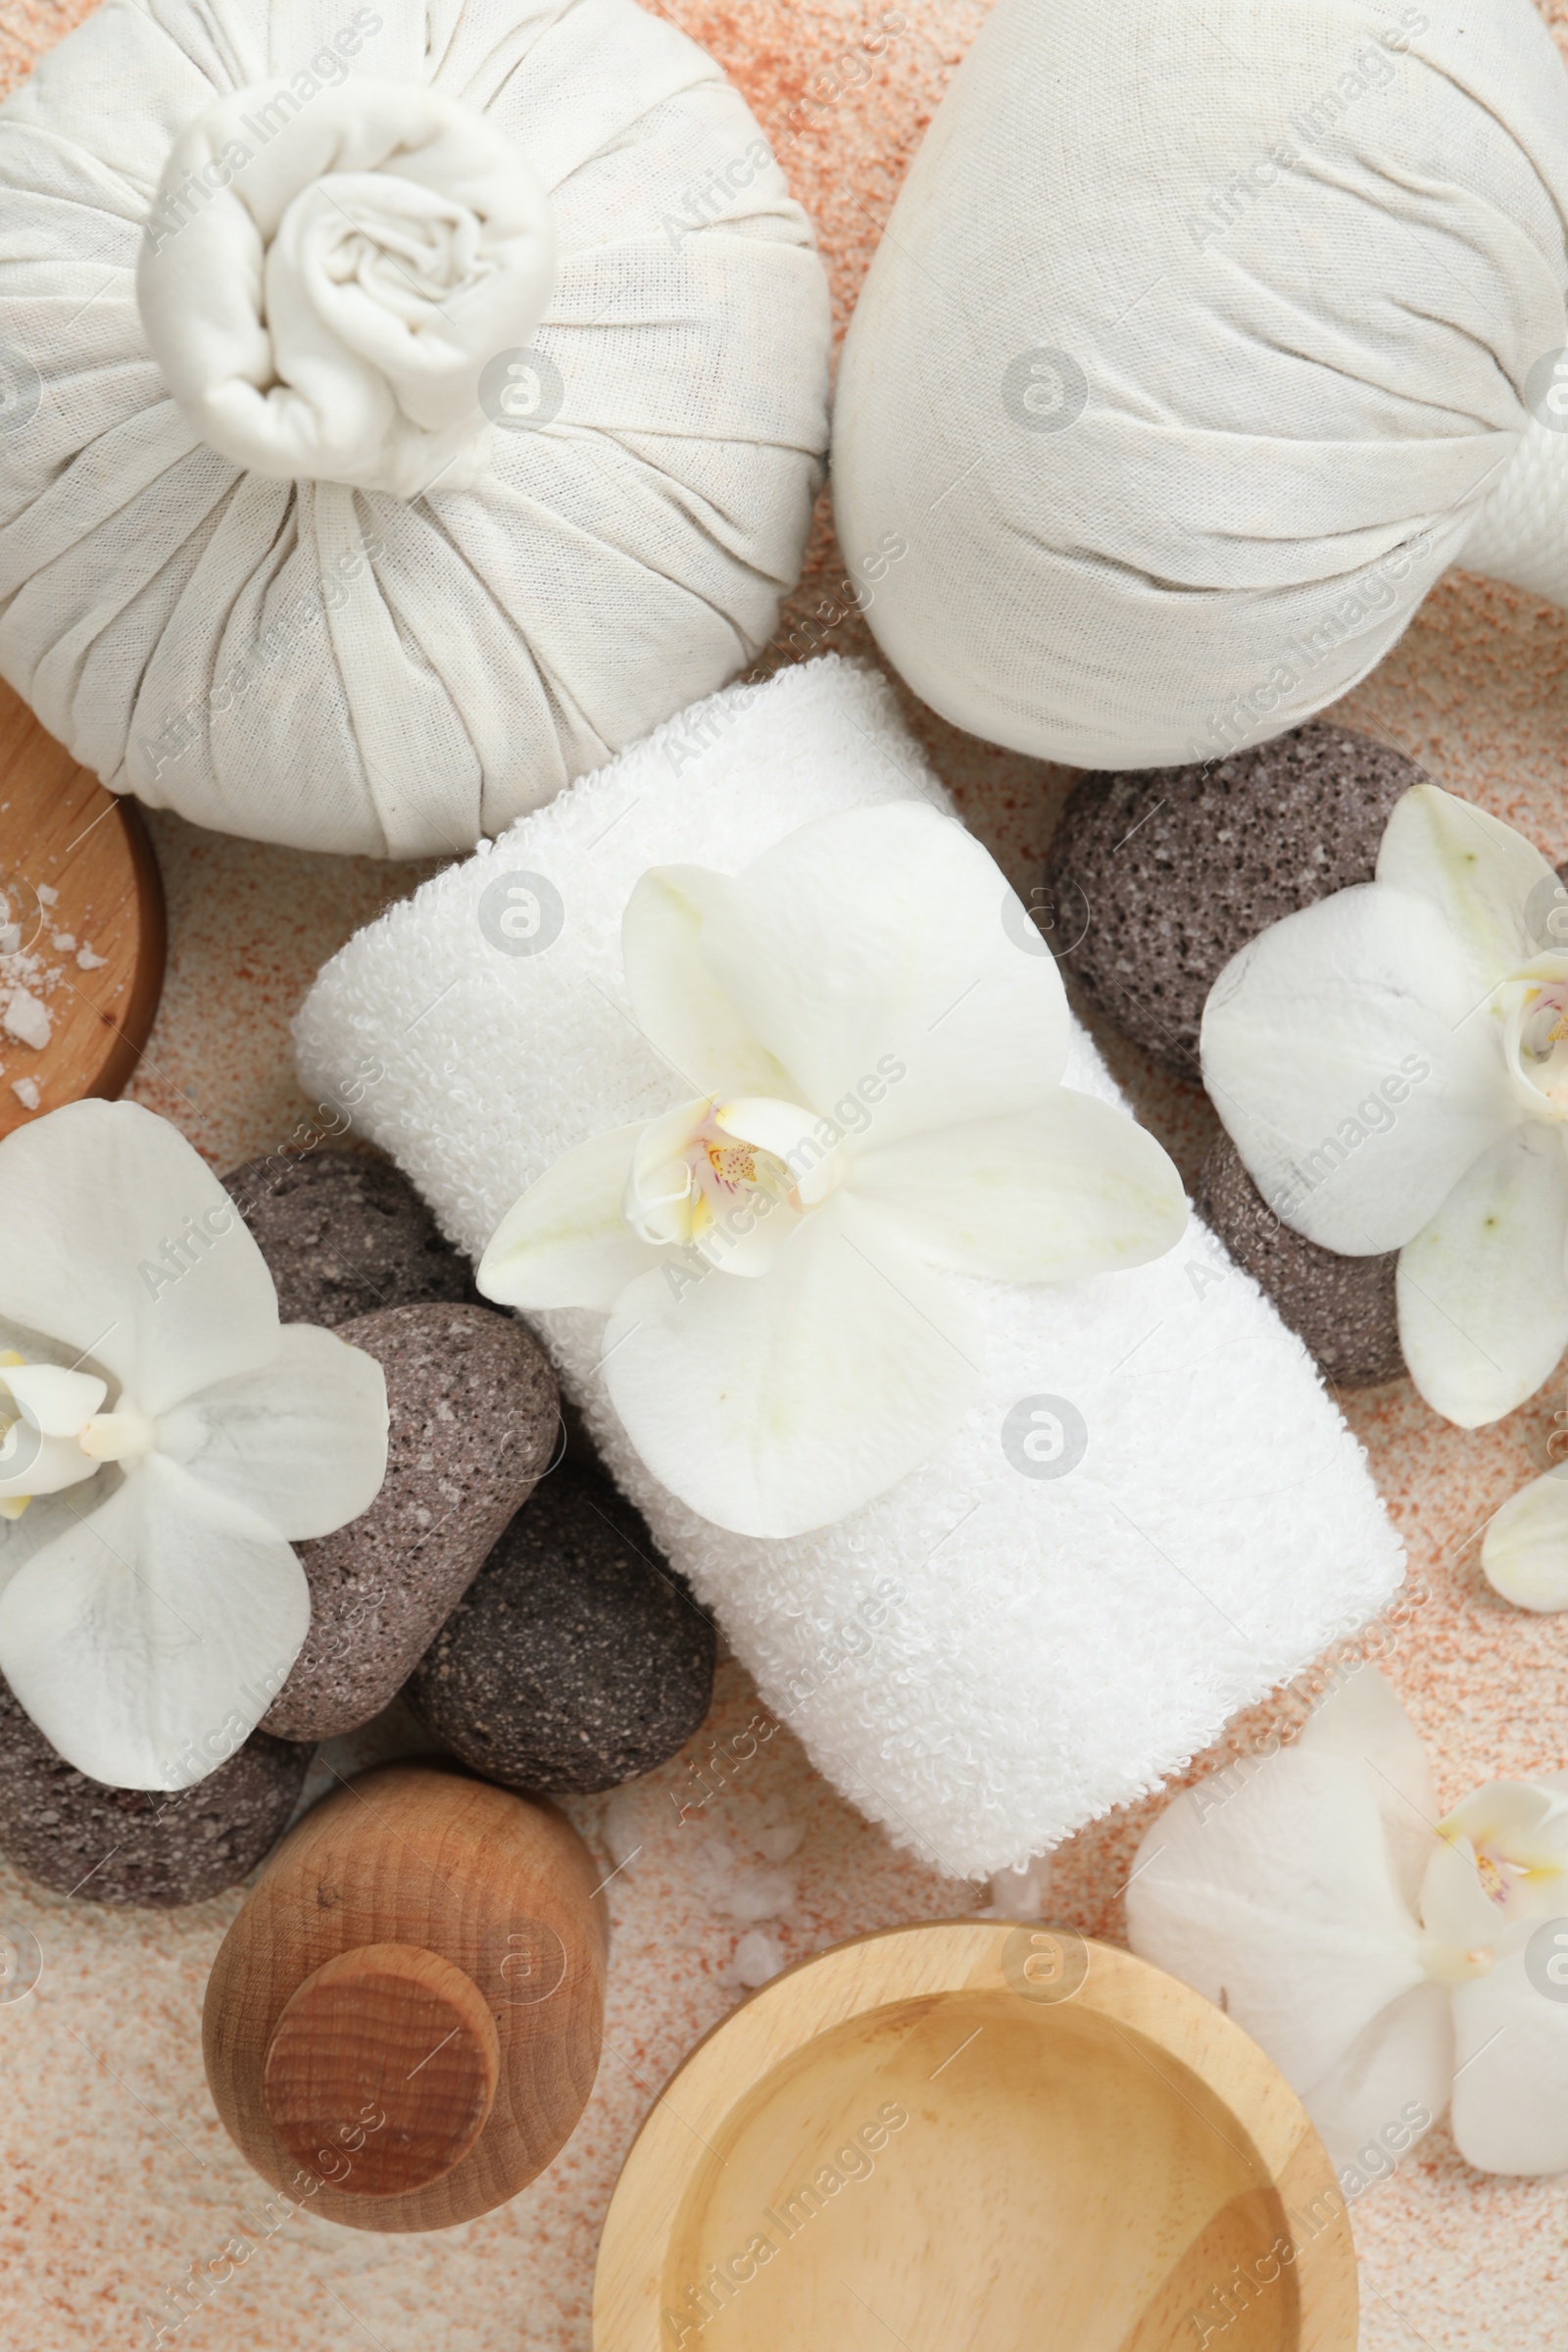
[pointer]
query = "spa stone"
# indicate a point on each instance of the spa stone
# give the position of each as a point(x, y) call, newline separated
point(577, 1658)
point(1157, 877)
point(1344, 1308)
point(472, 1401)
point(343, 1234)
point(135, 1845)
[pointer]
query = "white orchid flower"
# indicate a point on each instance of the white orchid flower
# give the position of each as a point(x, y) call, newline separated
point(1392, 1064)
point(868, 1065)
point(1392, 1964)
point(147, 1619)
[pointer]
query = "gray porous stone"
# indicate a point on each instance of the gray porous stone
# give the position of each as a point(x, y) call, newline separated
point(1155, 877)
point(577, 1658)
point(135, 1845)
point(474, 1424)
point(343, 1234)
point(1345, 1309)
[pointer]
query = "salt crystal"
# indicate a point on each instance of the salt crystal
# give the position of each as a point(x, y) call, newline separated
point(27, 1020)
point(64, 941)
point(779, 1840)
point(744, 1896)
point(88, 962)
point(26, 1093)
point(47, 893)
point(757, 1959)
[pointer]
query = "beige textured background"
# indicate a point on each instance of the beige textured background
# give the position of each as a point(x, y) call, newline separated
point(117, 2177)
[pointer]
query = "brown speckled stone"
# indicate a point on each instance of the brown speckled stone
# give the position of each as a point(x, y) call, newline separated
point(343, 1234)
point(474, 1423)
point(1160, 875)
point(577, 1658)
point(135, 1845)
point(1343, 1307)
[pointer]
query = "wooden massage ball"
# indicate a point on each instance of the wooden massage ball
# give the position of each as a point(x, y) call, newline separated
point(407, 2011)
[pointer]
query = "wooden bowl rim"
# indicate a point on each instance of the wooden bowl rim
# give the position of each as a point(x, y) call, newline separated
point(739, 2053)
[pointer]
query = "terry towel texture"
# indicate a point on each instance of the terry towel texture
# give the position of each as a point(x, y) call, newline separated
point(1044, 1647)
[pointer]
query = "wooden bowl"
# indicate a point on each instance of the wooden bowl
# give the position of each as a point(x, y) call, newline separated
point(972, 2135)
point(86, 850)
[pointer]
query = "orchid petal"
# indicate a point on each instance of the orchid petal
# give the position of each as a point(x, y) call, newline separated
point(1341, 1053)
point(1071, 1188)
point(1524, 1552)
point(660, 1186)
point(38, 1525)
point(1483, 1287)
point(868, 953)
point(55, 1401)
point(746, 1237)
point(1478, 873)
point(675, 998)
point(33, 1464)
point(778, 1405)
point(1456, 1909)
point(302, 1442)
point(93, 1198)
point(1524, 1824)
point(1510, 2090)
point(566, 1242)
point(1274, 1894)
point(163, 1624)
point(793, 1136)
point(1391, 2086)
point(1362, 1720)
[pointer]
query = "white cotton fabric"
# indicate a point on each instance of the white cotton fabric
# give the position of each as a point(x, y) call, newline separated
point(1059, 1645)
point(1194, 350)
point(250, 617)
point(372, 256)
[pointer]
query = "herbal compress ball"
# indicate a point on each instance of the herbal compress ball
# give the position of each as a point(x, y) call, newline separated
point(1194, 352)
point(392, 426)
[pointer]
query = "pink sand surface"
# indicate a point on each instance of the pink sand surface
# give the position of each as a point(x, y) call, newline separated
point(120, 2180)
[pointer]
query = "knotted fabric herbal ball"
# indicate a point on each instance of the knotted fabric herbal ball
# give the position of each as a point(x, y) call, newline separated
point(399, 414)
point(1195, 351)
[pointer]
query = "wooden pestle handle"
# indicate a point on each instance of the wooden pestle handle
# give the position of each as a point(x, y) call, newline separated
point(403, 2024)
point(387, 2054)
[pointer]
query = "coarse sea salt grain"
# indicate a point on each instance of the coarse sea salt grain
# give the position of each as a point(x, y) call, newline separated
point(27, 1020)
point(758, 1958)
point(88, 962)
point(26, 1093)
point(776, 1836)
point(738, 1891)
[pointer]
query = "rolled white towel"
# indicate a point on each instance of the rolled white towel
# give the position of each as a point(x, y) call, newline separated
point(999, 1649)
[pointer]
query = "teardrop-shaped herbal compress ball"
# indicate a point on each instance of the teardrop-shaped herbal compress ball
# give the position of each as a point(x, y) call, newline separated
point(1195, 350)
point(395, 418)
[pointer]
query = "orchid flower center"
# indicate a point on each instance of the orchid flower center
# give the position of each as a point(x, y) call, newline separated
point(730, 1179)
point(1533, 1008)
point(52, 1434)
point(1499, 1864)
